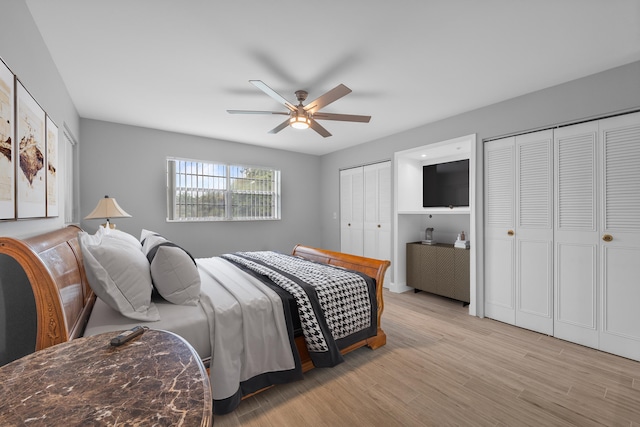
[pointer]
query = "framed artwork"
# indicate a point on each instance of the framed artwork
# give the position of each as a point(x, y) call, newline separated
point(7, 143)
point(31, 171)
point(52, 168)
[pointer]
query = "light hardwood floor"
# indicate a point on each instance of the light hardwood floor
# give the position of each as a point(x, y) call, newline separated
point(443, 367)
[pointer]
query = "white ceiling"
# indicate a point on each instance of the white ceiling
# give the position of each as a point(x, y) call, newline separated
point(179, 65)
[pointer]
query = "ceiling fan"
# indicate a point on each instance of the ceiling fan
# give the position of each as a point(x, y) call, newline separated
point(305, 116)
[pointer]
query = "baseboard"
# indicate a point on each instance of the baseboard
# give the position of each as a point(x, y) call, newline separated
point(398, 288)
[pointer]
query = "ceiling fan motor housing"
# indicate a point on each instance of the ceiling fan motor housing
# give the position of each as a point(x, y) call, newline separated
point(301, 95)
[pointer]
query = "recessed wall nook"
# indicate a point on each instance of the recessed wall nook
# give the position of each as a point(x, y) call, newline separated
point(412, 219)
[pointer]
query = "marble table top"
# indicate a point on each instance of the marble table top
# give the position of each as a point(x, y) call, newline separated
point(155, 379)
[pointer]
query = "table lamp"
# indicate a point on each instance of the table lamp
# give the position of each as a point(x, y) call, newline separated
point(107, 208)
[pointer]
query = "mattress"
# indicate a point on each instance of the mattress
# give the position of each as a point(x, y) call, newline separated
point(188, 321)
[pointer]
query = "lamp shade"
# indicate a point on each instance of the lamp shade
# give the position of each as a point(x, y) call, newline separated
point(107, 208)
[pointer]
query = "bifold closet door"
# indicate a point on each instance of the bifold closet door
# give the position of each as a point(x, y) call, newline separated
point(619, 236)
point(352, 211)
point(365, 211)
point(576, 236)
point(534, 231)
point(499, 229)
point(377, 210)
point(519, 231)
point(567, 262)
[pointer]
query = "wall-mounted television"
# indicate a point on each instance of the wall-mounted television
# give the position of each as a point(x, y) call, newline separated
point(446, 184)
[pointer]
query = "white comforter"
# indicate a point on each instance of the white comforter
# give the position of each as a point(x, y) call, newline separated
point(247, 325)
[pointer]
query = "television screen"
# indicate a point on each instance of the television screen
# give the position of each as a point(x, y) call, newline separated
point(445, 184)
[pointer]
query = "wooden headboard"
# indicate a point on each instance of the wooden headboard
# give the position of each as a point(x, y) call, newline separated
point(53, 265)
point(64, 300)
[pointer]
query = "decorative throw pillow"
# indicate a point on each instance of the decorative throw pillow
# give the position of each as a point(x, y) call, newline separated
point(143, 237)
point(119, 275)
point(173, 270)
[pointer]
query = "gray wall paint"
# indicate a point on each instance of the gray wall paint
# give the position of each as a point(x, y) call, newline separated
point(613, 90)
point(129, 164)
point(24, 51)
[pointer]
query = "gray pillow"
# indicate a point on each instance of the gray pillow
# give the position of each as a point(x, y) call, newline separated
point(174, 272)
point(118, 273)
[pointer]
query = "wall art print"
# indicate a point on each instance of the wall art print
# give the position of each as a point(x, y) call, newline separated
point(52, 168)
point(7, 140)
point(31, 171)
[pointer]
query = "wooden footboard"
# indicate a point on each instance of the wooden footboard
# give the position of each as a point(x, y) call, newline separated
point(371, 267)
point(53, 265)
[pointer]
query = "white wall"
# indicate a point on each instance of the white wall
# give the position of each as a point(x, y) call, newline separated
point(129, 164)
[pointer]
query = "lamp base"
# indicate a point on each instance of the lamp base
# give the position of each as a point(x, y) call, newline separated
point(109, 225)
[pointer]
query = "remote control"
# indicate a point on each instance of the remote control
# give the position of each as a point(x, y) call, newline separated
point(127, 336)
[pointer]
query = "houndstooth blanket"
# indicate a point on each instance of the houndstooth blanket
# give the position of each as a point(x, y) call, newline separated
point(337, 307)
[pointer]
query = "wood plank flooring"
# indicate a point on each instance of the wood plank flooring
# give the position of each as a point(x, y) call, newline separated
point(442, 367)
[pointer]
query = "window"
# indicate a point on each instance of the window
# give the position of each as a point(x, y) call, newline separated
point(208, 191)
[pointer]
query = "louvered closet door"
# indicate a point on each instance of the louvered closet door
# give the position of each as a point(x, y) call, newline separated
point(620, 219)
point(534, 231)
point(499, 244)
point(576, 236)
point(351, 211)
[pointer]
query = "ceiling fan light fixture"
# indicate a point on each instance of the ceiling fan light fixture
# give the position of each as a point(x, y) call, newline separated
point(305, 116)
point(299, 122)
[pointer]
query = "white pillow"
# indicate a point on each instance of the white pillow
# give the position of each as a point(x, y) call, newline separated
point(119, 275)
point(173, 270)
point(121, 235)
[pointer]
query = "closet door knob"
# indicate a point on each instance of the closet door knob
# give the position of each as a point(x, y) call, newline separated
point(511, 233)
point(607, 237)
point(378, 225)
point(349, 225)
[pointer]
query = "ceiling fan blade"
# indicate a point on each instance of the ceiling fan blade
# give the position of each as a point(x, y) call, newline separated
point(256, 112)
point(273, 94)
point(342, 117)
point(326, 99)
point(316, 126)
point(280, 127)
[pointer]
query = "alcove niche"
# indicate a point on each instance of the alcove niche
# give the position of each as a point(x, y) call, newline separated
point(411, 219)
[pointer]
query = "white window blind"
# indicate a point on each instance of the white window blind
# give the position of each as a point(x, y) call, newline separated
point(210, 191)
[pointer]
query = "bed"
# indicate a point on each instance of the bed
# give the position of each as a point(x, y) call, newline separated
point(67, 307)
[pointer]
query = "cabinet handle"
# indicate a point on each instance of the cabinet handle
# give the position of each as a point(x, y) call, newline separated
point(511, 233)
point(378, 225)
point(349, 225)
point(607, 237)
